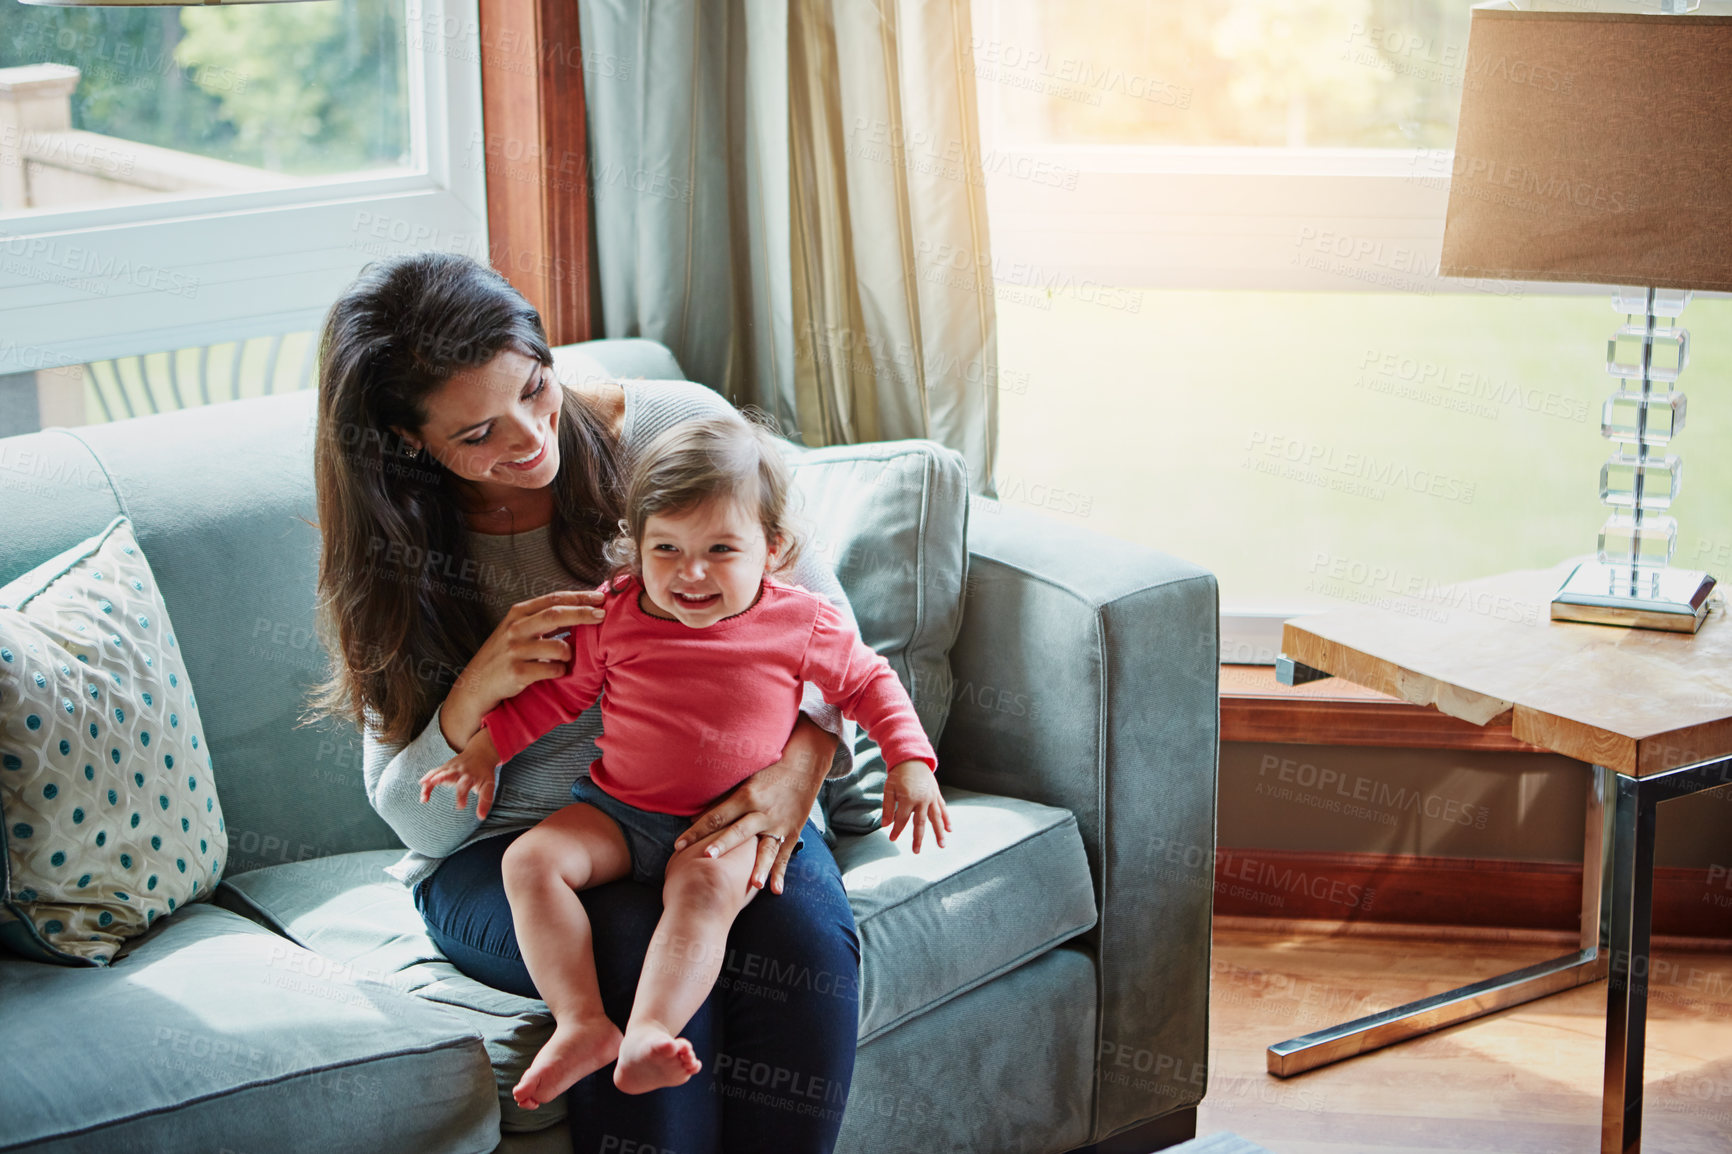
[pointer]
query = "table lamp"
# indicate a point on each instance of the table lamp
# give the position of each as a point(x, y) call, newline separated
point(1595, 145)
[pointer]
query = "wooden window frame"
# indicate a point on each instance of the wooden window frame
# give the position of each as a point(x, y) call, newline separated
point(536, 148)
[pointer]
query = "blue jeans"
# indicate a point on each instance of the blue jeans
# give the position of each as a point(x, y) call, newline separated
point(776, 1035)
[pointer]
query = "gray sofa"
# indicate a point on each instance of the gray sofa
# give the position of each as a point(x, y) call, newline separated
point(1040, 986)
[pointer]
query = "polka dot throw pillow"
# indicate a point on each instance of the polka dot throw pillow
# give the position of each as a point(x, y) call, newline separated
point(109, 817)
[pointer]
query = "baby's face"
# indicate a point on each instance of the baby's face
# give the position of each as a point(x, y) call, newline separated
point(705, 564)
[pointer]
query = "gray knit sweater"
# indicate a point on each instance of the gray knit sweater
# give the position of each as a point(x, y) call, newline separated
point(511, 568)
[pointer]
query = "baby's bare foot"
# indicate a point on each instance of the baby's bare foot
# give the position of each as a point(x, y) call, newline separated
point(576, 1050)
point(650, 1058)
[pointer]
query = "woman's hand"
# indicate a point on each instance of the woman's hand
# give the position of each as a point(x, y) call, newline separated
point(517, 654)
point(911, 793)
point(772, 805)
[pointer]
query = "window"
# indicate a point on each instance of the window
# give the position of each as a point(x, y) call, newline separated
point(121, 105)
point(175, 178)
point(1215, 241)
point(156, 382)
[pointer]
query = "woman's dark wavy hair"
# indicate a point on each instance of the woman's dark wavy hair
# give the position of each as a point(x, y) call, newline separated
point(398, 611)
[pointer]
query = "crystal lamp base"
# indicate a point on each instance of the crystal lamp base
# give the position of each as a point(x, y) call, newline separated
point(1675, 600)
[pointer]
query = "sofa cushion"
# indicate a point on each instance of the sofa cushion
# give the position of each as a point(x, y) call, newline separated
point(618, 358)
point(891, 517)
point(347, 909)
point(111, 817)
point(56, 495)
point(1012, 883)
point(212, 1033)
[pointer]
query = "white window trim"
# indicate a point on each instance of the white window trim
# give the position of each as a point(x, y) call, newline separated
point(1314, 219)
point(89, 284)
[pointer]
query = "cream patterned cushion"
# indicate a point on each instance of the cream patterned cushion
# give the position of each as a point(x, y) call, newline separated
point(108, 813)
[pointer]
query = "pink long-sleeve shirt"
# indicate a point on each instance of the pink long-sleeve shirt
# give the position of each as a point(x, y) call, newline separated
point(687, 714)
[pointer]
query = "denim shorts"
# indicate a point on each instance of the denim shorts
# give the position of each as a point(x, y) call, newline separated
point(649, 836)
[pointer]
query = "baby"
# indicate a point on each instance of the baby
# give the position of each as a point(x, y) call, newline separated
point(699, 663)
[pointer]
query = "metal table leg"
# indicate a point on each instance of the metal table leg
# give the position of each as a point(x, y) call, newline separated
point(1627, 992)
point(1291, 672)
point(1631, 910)
point(1588, 964)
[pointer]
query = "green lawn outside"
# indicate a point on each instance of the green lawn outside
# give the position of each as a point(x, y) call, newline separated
point(1438, 437)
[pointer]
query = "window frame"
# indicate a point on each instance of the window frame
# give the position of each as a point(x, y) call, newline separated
point(199, 270)
point(1269, 219)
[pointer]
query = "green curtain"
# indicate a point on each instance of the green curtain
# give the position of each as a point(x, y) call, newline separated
point(788, 193)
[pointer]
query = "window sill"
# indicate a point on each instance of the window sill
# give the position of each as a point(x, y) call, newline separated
point(1255, 707)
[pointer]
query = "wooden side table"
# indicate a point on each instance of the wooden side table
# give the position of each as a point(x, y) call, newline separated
point(1651, 712)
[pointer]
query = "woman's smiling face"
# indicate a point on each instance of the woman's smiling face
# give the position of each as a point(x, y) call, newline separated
point(496, 426)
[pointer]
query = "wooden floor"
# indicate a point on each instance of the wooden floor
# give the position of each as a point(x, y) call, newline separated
point(1524, 1080)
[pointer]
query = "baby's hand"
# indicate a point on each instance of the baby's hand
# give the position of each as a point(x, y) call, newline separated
point(471, 771)
point(912, 793)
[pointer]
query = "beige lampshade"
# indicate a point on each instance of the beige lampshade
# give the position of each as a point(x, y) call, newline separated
point(1594, 146)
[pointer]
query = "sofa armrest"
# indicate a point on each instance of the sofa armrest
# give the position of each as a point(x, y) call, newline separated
point(1085, 676)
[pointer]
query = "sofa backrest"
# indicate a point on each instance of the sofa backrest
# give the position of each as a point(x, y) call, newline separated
point(221, 500)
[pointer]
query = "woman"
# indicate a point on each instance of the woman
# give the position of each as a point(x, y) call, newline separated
point(464, 499)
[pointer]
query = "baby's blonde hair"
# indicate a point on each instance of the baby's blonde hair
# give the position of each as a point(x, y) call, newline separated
point(735, 455)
